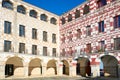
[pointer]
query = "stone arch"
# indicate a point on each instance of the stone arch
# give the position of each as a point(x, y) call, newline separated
point(83, 66)
point(35, 67)
point(110, 65)
point(65, 67)
point(33, 13)
point(14, 66)
point(51, 67)
point(7, 4)
point(63, 20)
point(86, 9)
point(69, 17)
point(77, 14)
point(53, 20)
point(21, 9)
point(43, 17)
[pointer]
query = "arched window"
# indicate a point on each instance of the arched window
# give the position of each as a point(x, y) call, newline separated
point(77, 14)
point(43, 17)
point(7, 4)
point(86, 9)
point(53, 20)
point(69, 17)
point(101, 3)
point(63, 20)
point(21, 9)
point(33, 13)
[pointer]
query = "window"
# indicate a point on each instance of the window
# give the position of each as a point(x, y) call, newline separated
point(101, 3)
point(117, 21)
point(43, 17)
point(117, 43)
point(88, 30)
point(63, 53)
point(54, 52)
point(63, 38)
point(53, 21)
point(21, 30)
point(63, 21)
point(53, 38)
point(21, 9)
point(44, 36)
point(21, 47)
point(77, 14)
point(102, 45)
point(34, 49)
point(7, 27)
point(70, 51)
point(7, 4)
point(7, 46)
point(34, 33)
point(33, 13)
point(69, 17)
point(70, 36)
point(78, 35)
point(88, 50)
point(86, 9)
point(44, 51)
point(101, 26)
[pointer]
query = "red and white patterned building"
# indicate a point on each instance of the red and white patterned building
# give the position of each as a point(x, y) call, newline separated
point(90, 34)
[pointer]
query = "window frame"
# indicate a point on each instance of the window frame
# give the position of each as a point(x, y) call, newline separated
point(7, 4)
point(7, 45)
point(34, 49)
point(45, 36)
point(21, 30)
point(45, 51)
point(34, 33)
point(101, 26)
point(7, 27)
point(21, 9)
point(21, 47)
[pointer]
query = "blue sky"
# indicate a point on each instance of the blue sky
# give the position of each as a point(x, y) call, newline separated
point(56, 6)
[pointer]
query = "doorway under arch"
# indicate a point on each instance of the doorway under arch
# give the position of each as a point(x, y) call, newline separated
point(35, 67)
point(51, 68)
point(110, 65)
point(14, 67)
point(65, 67)
point(83, 67)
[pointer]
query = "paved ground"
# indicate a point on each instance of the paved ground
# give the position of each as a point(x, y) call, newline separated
point(61, 78)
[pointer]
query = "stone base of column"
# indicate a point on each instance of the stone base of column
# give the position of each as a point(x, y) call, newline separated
point(73, 68)
point(95, 70)
point(60, 69)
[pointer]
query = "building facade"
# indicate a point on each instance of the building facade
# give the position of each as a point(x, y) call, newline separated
point(29, 42)
point(35, 42)
point(90, 35)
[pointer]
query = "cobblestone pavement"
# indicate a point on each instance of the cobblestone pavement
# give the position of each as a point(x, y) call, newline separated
point(62, 78)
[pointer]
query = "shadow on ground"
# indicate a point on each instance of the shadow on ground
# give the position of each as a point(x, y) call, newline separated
point(64, 78)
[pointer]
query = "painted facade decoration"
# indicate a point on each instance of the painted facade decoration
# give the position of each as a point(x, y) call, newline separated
point(35, 42)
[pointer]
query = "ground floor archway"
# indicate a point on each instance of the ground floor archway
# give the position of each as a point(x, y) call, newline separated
point(35, 67)
point(65, 67)
point(14, 66)
point(51, 68)
point(110, 65)
point(83, 67)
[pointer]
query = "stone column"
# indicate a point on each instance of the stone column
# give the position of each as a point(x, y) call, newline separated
point(26, 71)
point(44, 69)
point(72, 68)
point(2, 71)
point(60, 69)
point(95, 70)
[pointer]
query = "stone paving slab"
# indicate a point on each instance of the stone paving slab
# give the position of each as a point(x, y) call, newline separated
point(62, 78)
